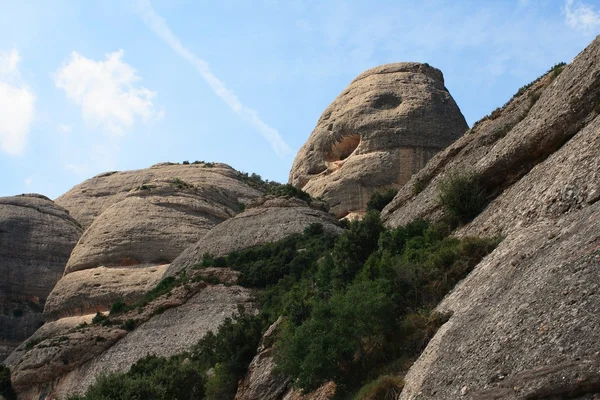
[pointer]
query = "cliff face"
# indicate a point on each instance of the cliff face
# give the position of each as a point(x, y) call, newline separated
point(380, 130)
point(524, 323)
point(36, 238)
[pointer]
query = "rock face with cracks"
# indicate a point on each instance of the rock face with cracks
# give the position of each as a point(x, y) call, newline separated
point(36, 238)
point(525, 322)
point(142, 220)
point(380, 130)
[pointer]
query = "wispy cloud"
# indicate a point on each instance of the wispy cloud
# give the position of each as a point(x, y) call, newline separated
point(16, 105)
point(581, 16)
point(107, 91)
point(162, 30)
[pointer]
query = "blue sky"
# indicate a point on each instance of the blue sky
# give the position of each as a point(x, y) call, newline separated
point(92, 86)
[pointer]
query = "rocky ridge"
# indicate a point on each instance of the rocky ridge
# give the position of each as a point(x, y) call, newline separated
point(380, 130)
point(523, 322)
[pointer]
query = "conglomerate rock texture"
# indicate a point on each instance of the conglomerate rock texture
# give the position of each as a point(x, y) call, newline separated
point(380, 130)
point(36, 238)
point(525, 322)
point(142, 220)
point(267, 220)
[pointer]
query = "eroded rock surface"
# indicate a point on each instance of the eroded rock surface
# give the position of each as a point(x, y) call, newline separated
point(382, 128)
point(36, 238)
point(96, 289)
point(91, 198)
point(141, 220)
point(525, 322)
point(267, 220)
point(504, 148)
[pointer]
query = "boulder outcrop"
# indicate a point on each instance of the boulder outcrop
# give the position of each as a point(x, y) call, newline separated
point(524, 323)
point(91, 198)
point(146, 219)
point(36, 238)
point(382, 128)
point(268, 219)
point(65, 356)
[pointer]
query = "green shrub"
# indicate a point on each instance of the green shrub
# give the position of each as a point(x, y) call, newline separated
point(222, 385)
point(331, 343)
point(462, 196)
point(386, 387)
point(289, 191)
point(380, 199)
point(418, 186)
point(257, 182)
point(117, 307)
point(129, 325)
point(99, 318)
point(179, 184)
point(6, 389)
point(18, 313)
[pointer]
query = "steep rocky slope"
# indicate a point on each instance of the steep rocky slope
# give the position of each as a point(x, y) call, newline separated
point(36, 238)
point(382, 128)
point(525, 322)
point(268, 219)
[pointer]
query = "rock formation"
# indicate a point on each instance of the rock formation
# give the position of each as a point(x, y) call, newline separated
point(146, 219)
point(89, 199)
point(268, 219)
point(383, 128)
point(65, 357)
point(36, 238)
point(525, 322)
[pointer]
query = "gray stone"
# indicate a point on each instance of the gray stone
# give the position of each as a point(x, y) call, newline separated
point(382, 128)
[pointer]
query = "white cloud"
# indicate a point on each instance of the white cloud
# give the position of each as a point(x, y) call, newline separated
point(28, 181)
point(107, 91)
point(64, 128)
point(581, 16)
point(77, 169)
point(16, 105)
point(160, 28)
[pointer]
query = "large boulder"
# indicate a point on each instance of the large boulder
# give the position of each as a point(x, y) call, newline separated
point(525, 322)
point(36, 238)
point(267, 220)
point(146, 219)
point(383, 128)
point(91, 198)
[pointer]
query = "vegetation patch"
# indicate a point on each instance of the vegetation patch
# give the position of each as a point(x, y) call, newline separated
point(257, 182)
point(179, 184)
point(6, 389)
point(357, 308)
point(380, 199)
point(462, 196)
point(385, 387)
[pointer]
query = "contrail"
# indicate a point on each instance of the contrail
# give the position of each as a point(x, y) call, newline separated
point(160, 28)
